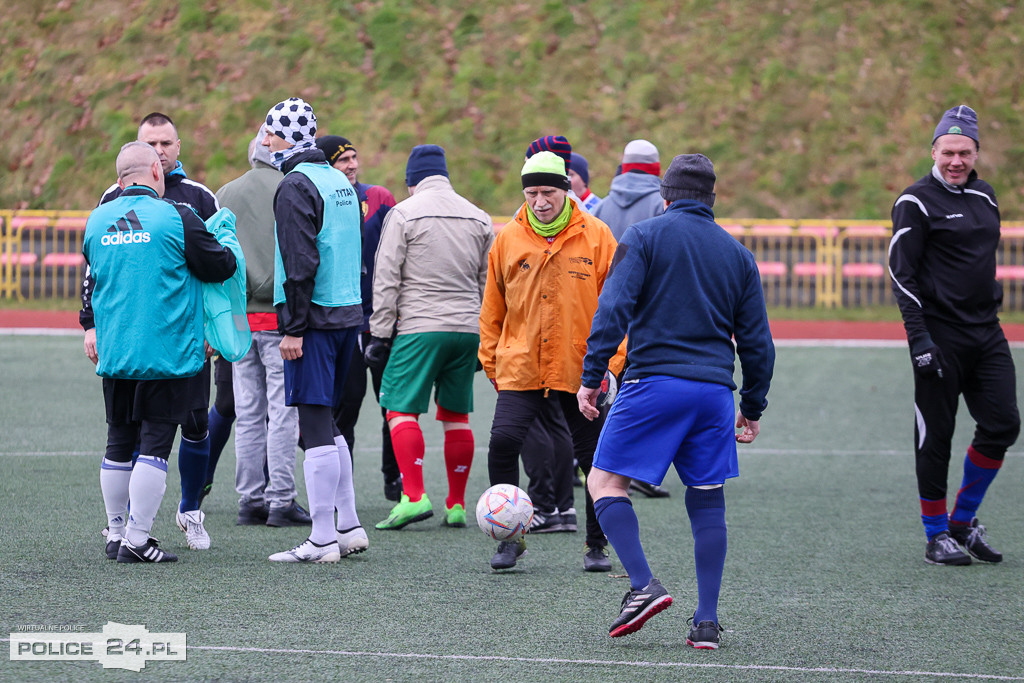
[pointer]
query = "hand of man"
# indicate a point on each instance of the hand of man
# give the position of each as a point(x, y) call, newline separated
point(209, 350)
point(90, 346)
point(751, 428)
point(587, 399)
point(377, 352)
point(291, 347)
point(928, 362)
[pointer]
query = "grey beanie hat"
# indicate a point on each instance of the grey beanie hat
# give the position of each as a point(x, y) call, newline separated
point(961, 120)
point(689, 176)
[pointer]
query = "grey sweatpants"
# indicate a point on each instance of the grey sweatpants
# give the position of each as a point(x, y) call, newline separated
point(266, 430)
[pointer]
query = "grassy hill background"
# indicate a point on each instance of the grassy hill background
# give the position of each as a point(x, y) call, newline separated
point(808, 109)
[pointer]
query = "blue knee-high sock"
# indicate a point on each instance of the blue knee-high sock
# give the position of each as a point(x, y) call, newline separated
point(706, 508)
point(620, 525)
point(220, 430)
point(979, 471)
point(193, 457)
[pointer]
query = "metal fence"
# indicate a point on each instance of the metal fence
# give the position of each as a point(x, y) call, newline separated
point(803, 263)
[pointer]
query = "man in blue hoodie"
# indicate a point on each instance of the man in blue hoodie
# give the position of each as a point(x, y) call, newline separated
point(683, 289)
point(633, 195)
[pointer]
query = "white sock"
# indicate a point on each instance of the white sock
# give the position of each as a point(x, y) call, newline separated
point(114, 478)
point(146, 491)
point(321, 472)
point(345, 499)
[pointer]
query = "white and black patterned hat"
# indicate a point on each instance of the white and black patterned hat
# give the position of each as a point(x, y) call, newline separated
point(293, 121)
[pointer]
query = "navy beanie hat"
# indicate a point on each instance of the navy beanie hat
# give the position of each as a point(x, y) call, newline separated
point(961, 120)
point(425, 161)
point(690, 176)
point(578, 164)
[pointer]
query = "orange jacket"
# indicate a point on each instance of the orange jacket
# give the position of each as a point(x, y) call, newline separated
point(540, 300)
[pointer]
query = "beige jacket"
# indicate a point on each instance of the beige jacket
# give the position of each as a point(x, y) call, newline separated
point(431, 263)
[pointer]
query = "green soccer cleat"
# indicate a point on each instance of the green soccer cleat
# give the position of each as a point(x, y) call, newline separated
point(407, 512)
point(455, 516)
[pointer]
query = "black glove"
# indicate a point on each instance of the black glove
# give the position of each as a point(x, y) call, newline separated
point(376, 352)
point(928, 362)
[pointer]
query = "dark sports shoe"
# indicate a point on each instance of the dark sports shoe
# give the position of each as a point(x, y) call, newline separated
point(569, 520)
point(649, 490)
point(545, 523)
point(596, 560)
point(291, 515)
point(972, 537)
point(942, 549)
point(112, 548)
point(393, 489)
point(148, 552)
point(703, 636)
point(638, 606)
point(252, 514)
point(508, 554)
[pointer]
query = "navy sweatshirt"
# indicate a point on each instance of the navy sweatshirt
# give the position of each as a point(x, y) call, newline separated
point(681, 288)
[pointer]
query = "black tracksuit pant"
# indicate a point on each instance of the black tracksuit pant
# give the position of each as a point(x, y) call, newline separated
point(514, 413)
point(976, 362)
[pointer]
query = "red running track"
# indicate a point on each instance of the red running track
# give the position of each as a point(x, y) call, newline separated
point(781, 329)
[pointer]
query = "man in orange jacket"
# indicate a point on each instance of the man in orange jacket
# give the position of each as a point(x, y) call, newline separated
point(544, 275)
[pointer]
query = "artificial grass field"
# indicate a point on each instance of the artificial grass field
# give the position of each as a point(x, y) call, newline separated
point(825, 578)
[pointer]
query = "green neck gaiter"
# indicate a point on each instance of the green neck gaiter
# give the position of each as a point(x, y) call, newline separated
point(554, 227)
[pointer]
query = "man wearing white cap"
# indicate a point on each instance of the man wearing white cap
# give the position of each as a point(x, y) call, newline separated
point(635, 193)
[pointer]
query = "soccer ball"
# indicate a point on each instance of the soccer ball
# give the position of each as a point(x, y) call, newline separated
point(504, 512)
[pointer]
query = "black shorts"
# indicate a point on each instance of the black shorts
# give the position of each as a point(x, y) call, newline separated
point(156, 400)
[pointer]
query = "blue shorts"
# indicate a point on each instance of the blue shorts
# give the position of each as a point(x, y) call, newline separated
point(661, 421)
point(318, 376)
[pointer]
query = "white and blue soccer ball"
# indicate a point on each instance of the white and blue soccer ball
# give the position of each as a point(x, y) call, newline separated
point(504, 512)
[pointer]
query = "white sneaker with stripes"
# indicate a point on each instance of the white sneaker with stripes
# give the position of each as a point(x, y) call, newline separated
point(307, 551)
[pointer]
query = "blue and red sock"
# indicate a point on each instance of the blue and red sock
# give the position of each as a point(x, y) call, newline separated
point(979, 472)
point(933, 514)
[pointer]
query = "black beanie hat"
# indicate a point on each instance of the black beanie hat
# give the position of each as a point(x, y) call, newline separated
point(689, 176)
point(333, 146)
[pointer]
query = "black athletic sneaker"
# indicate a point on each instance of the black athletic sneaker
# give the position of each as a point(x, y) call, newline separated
point(253, 514)
point(972, 537)
point(596, 560)
point(290, 515)
point(545, 523)
point(569, 520)
point(942, 549)
point(148, 552)
point(638, 606)
point(112, 548)
point(508, 554)
point(703, 636)
point(649, 490)
point(393, 489)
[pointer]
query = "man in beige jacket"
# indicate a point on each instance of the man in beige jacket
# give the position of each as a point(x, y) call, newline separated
point(431, 267)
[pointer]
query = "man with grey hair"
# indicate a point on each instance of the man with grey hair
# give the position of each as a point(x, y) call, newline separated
point(684, 288)
point(266, 430)
point(147, 257)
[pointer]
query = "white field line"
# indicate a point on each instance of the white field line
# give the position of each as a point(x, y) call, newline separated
point(599, 662)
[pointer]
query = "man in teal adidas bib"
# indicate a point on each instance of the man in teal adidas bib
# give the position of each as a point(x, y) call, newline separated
point(319, 311)
point(149, 338)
